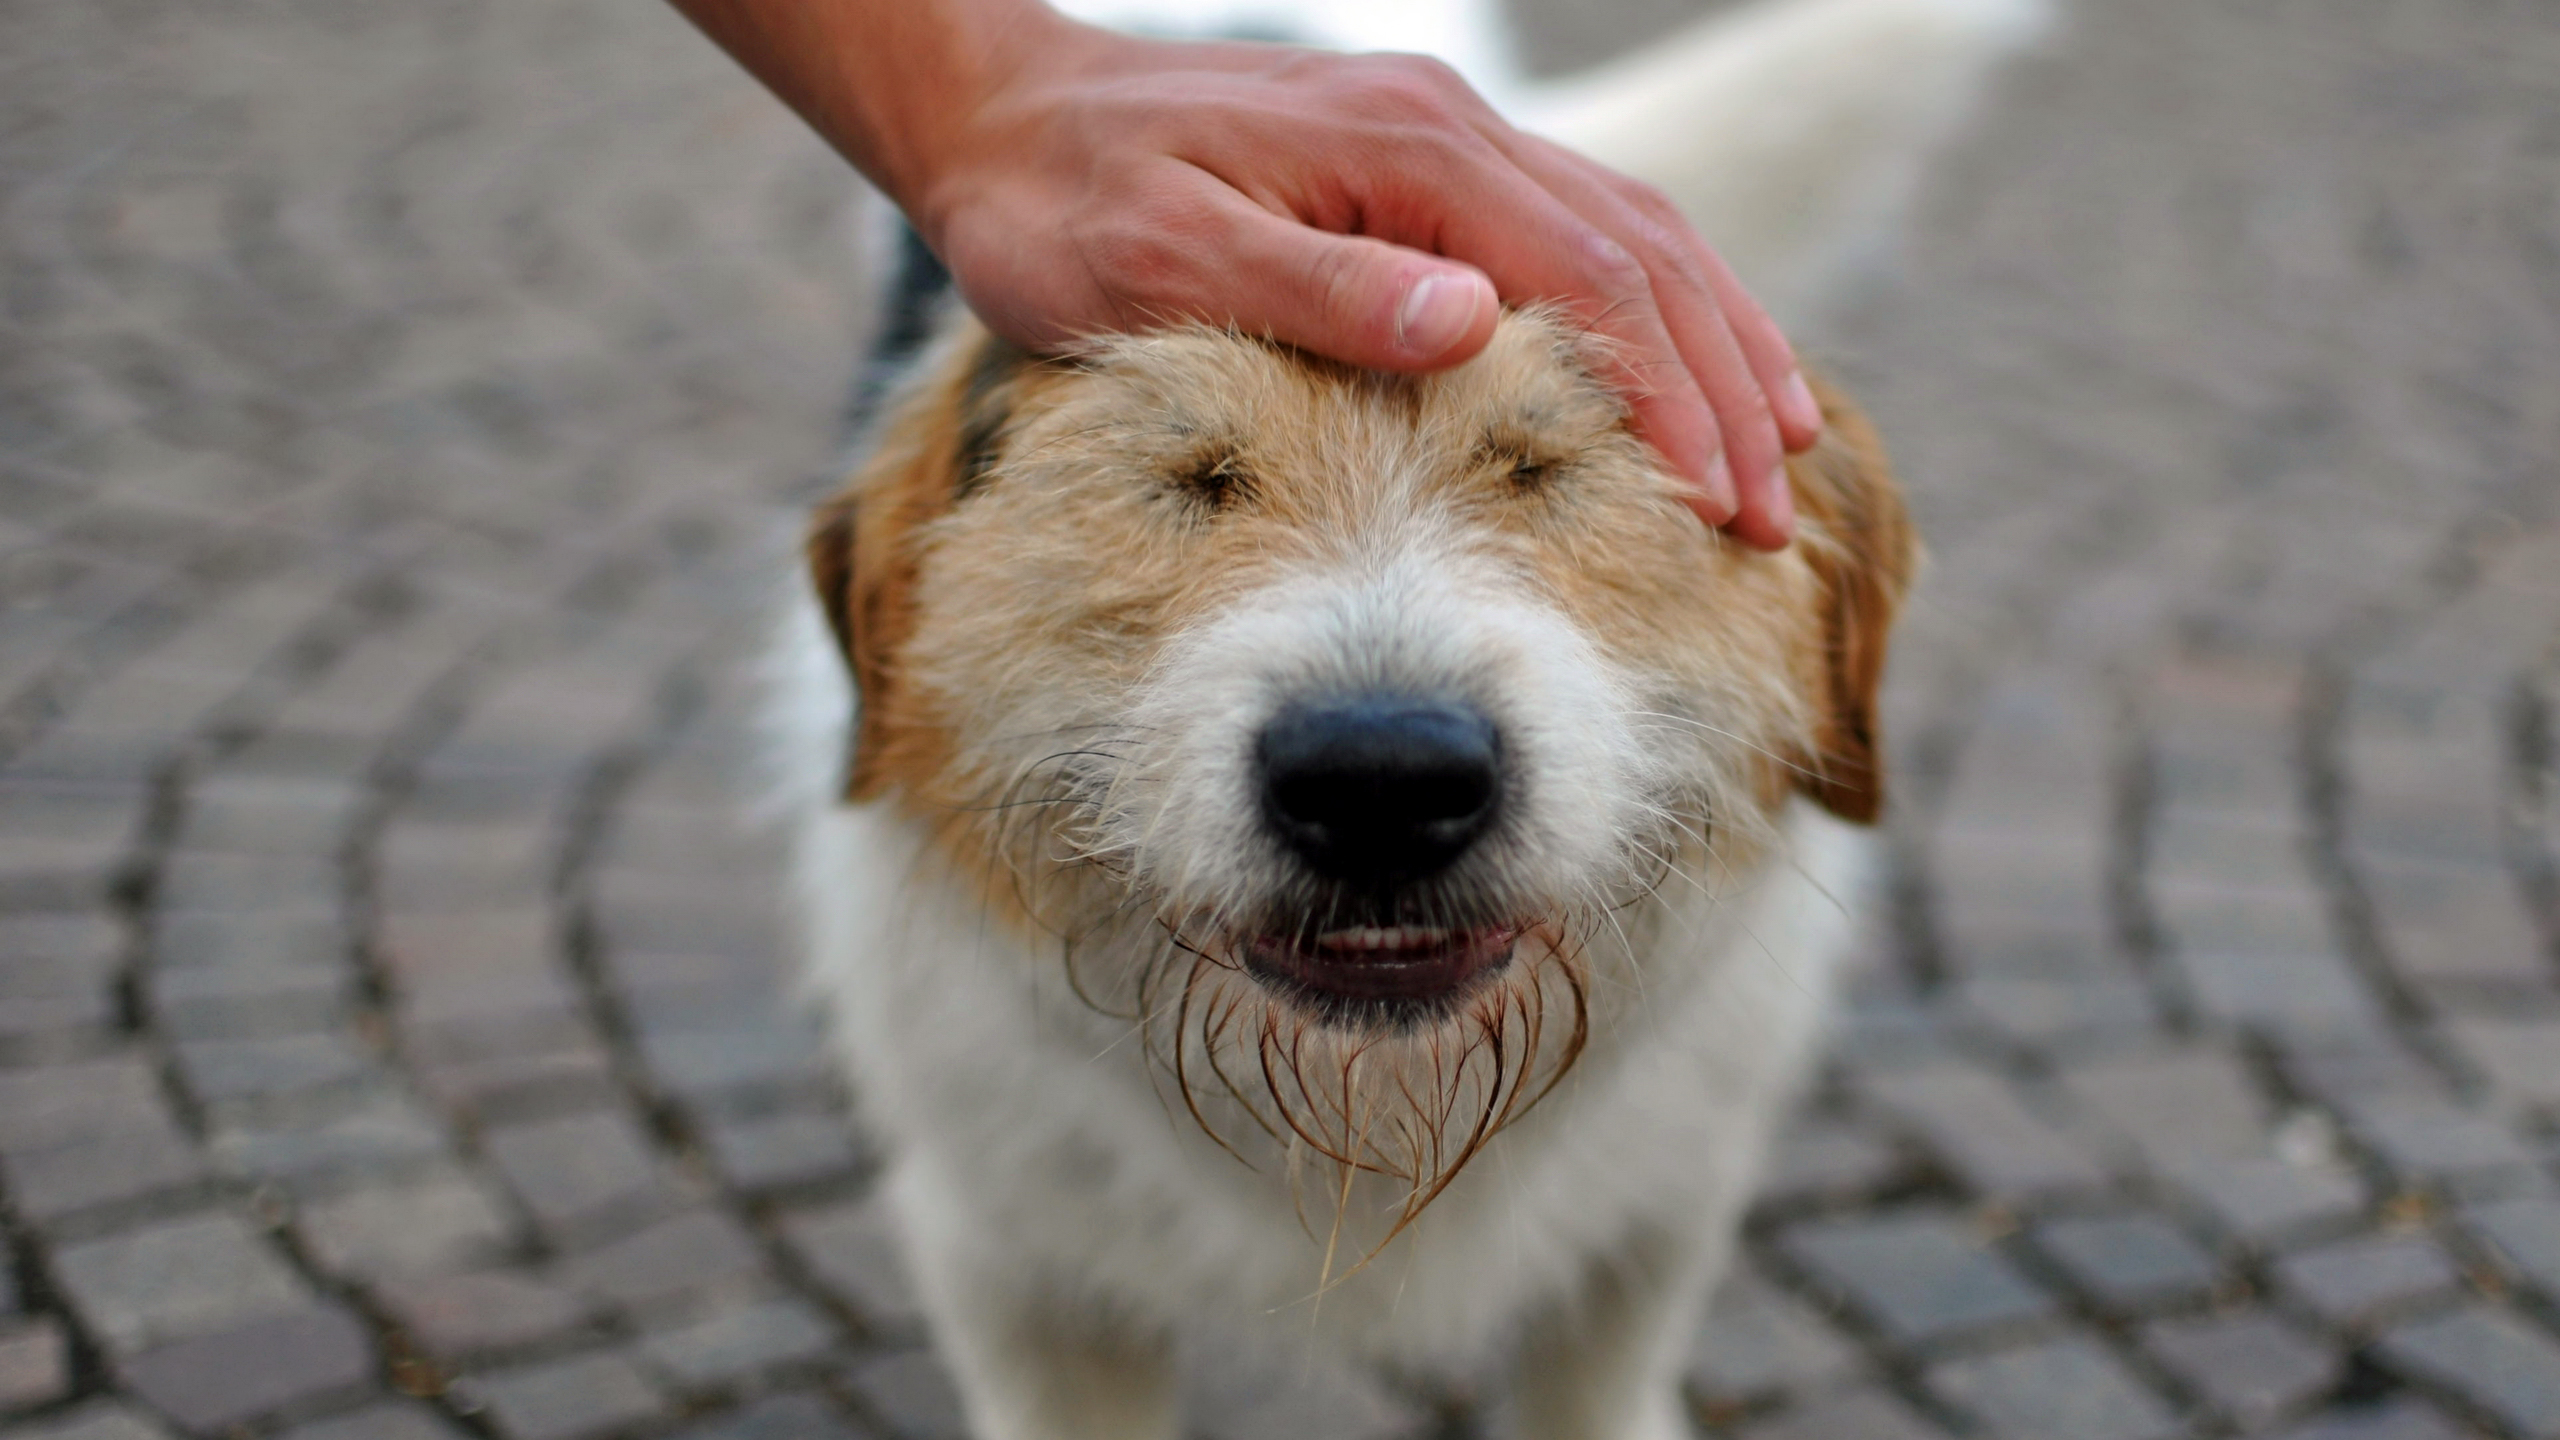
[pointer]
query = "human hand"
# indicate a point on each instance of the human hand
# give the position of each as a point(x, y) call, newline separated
point(1366, 208)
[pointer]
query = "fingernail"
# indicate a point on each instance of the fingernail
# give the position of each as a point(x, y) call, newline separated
point(1436, 314)
point(1719, 488)
point(1797, 396)
point(1782, 504)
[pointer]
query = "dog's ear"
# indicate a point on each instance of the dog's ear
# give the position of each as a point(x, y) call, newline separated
point(864, 546)
point(1859, 541)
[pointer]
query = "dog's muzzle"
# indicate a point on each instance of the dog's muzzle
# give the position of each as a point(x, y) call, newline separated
point(1377, 795)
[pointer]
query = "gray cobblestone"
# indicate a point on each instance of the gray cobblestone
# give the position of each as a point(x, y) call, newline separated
point(420, 1225)
point(1758, 1341)
point(97, 1420)
point(175, 1278)
point(1856, 1415)
point(775, 1417)
point(582, 1172)
point(2489, 1359)
point(694, 1251)
point(568, 1399)
point(1986, 1132)
point(909, 1394)
point(2523, 1236)
point(461, 1316)
point(2062, 1387)
point(1920, 1276)
point(2128, 1261)
point(386, 1420)
point(2251, 1367)
point(736, 1343)
point(776, 1152)
point(214, 1381)
point(849, 1249)
point(2400, 1419)
point(2354, 1282)
point(35, 1363)
point(2263, 1201)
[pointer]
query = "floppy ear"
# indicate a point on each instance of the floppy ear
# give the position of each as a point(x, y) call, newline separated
point(1858, 539)
point(864, 547)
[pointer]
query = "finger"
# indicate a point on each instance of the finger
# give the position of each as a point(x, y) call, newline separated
point(1714, 356)
point(1772, 359)
point(1535, 246)
point(1354, 298)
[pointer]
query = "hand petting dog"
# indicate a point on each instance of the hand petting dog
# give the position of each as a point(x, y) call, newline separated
point(1371, 209)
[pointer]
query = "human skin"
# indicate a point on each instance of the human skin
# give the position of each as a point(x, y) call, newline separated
point(1368, 208)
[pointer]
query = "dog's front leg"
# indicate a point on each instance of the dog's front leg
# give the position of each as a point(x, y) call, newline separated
point(1605, 1364)
point(1032, 1360)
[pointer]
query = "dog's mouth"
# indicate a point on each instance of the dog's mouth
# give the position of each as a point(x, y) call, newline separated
point(1383, 972)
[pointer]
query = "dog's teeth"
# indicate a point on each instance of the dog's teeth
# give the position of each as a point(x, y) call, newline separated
point(1376, 937)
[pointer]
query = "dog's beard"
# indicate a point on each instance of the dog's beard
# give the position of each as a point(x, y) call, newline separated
point(1374, 1109)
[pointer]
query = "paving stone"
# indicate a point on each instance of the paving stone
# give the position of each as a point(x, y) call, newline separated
point(693, 1251)
point(2060, 1387)
point(2307, 990)
point(213, 1381)
point(2353, 1282)
point(2524, 1237)
point(1978, 1123)
point(1856, 1415)
point(221, 1002)
point(1757, 1340)
point(2262, 1201)
point(736, 1343)
point(1814, 1159)
point(55, 1103)
point(219, 1070)
point(568, 1399)
point(853, 1251)
point(2401, 1418)
point(776, 1417)
point(383, 1420)
point(580, 1172)
point(94, 1420)
point(2436, 1140)
point(909, 1394)
point(2251, 1367)
point(418, 1225)
point(377, 1132)
point(2177, 1106)
point(82, 1173)
point(459, 1316)
point(2520, 1057)
point(313, 936)
point(175, 1278)
point(1922, 1277)
point(2128, 1261)
point(2490, 1359)
point(35, 1363)
point(779, 1151)
point(2048, 1010)
point(754, 1052)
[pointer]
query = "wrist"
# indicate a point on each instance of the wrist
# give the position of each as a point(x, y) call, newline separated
point(945, 115)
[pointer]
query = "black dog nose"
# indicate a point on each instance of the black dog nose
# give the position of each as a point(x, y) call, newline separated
point(1380, 789)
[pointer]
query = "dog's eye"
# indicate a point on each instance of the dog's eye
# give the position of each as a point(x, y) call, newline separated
point(1525, 466)
point(1217, 479)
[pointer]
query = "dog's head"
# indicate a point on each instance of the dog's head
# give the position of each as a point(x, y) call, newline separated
point(1369, 701)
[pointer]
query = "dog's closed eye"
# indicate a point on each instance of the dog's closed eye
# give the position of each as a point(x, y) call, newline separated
point(1215, 476)
point(1520, 457)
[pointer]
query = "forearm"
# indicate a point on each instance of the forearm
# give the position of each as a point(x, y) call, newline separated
point(891, 84)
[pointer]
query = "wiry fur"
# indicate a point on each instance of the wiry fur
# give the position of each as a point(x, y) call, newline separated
point(1071, 592)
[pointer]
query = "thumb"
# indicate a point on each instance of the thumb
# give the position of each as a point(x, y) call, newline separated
point(1353, 298)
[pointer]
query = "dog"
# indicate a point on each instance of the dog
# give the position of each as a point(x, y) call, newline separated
point(1348, 859)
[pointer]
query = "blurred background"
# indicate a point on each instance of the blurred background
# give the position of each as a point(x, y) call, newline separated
point(403, 412)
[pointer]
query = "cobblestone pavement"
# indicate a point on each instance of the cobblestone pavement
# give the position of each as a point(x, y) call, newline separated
point(401, 408)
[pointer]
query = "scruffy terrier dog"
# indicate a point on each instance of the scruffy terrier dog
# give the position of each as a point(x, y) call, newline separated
point(1345, 856)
